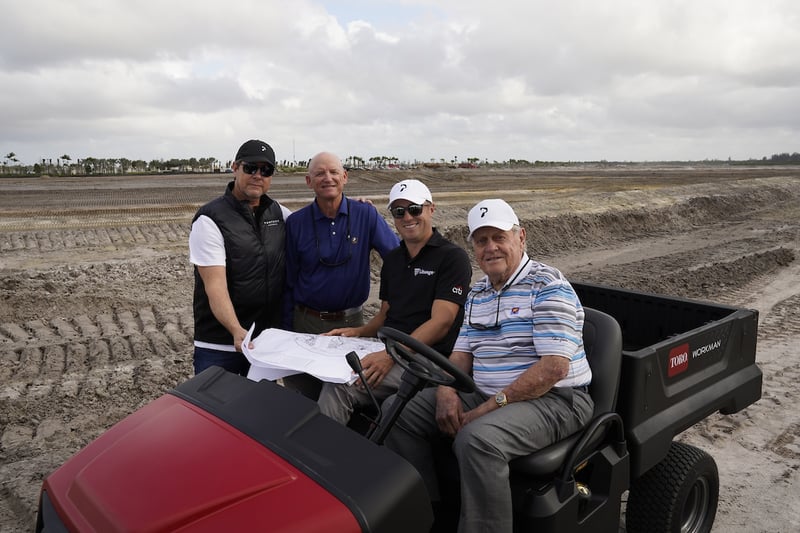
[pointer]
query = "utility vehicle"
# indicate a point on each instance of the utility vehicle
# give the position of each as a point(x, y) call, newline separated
point(223, 453)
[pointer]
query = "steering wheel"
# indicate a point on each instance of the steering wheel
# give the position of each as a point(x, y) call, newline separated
point(423, 361)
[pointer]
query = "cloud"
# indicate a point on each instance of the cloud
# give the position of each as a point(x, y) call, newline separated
point(526, 79)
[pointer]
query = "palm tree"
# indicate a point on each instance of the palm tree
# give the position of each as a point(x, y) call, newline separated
point(89, 165)
point(11, 157)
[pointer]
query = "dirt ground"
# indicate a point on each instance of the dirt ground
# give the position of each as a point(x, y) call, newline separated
point(96, 320)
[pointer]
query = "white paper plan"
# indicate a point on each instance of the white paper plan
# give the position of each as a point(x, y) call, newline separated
point(277, 353)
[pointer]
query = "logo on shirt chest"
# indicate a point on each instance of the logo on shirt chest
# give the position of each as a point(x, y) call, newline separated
point(423, 272)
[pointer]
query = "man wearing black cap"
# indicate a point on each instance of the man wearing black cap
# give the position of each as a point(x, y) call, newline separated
point(237, 248)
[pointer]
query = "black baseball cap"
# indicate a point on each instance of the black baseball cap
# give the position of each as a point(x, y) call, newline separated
point(255, 151)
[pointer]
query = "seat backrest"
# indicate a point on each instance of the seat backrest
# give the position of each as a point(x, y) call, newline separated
point(602, 341)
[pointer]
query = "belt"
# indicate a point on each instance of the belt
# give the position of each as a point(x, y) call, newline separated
point(329, 315)
point(583, 388)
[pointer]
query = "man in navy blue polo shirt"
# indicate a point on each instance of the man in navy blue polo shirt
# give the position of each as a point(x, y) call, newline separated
point(424, 283)
point(328, 248)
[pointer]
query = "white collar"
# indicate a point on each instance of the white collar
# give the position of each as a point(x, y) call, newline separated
point(524, 265)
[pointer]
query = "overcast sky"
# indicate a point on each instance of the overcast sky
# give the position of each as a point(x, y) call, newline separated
point(636, 80)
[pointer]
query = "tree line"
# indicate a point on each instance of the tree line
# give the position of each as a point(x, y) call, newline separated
point(785, 158)
point(65, 166)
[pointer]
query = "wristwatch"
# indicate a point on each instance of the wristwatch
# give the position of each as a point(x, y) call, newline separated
point(500, 399)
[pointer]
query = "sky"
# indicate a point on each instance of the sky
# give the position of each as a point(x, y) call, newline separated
point(574, 80)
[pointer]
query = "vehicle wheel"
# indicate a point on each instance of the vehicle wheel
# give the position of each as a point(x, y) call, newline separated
point(678, 495)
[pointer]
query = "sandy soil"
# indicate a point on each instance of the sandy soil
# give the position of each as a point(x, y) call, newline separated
point(95, 297)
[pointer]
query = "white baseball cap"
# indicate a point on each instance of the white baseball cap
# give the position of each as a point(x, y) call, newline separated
point(412, 190)
point(495, 213)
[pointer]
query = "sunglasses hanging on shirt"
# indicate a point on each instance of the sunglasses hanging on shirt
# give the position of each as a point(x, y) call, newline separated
point(485, 327)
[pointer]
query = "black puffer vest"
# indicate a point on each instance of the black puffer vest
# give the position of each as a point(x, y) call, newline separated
point(255, 266)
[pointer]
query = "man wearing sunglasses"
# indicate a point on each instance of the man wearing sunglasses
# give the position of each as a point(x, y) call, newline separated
point(329, 244)
point(423, 287)
point(236, 245)
point(522, 343)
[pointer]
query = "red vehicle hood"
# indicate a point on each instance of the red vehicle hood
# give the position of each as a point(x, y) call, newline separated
point(172, 466)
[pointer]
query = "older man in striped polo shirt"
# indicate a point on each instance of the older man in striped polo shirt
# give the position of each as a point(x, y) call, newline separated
point(522, 342)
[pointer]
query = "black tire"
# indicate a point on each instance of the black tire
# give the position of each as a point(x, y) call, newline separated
point(678, 495)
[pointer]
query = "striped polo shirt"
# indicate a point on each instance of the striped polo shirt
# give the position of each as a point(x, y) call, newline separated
point(536, 313)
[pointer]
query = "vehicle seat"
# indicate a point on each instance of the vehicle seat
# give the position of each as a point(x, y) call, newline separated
point(602, 341)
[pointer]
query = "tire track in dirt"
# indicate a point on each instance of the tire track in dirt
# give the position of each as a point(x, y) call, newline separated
point(45, 351)
point(778, 326)
point(67, 412)
point(781, 321)
point(771, 427)
point(67, 379)
point(98, 235)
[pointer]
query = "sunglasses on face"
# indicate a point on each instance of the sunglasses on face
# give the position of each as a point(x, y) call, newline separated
point(265, 170)
point(414, 210)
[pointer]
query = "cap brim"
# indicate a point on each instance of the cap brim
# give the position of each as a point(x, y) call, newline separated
point(502, 226)
point(415, 200)
point(257, 159)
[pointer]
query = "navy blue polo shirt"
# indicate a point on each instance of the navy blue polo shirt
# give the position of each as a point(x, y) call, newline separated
point(328, 259)
point(441, 271)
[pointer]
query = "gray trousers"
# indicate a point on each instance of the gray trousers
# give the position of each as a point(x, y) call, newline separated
point(338, 400)
point(485, 446)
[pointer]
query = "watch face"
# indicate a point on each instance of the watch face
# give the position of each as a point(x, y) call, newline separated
point(500, 398)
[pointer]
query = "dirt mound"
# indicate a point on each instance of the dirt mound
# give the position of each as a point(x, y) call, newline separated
point(700, 282)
